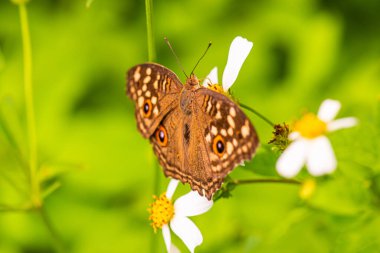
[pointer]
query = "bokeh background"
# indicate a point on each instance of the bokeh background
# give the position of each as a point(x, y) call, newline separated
point(304, 51)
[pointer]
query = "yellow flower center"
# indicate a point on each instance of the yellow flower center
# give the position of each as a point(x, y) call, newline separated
point(218, 88)
point(307, 189)
point(310, 126)
point(161, 211)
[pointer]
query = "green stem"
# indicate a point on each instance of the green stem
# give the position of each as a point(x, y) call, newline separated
point(258, 114)
point(254, 181)
point(56, 240)
point(149, 29)
point(31, 125)
point(7, 208)
point(151, 58)
point(28, 89)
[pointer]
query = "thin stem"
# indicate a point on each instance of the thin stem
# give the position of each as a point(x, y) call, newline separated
point(28, 89)
point(258, 114)
point(254, 181)
point(50, 189)
point(151, 58)
point(7, 208)
point(149, 29)
point(31, 125)
point(56, 240)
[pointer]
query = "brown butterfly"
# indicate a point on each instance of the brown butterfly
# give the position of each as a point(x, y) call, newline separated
point(199, 135)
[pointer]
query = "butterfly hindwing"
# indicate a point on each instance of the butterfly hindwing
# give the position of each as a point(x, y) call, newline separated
point(166, 142)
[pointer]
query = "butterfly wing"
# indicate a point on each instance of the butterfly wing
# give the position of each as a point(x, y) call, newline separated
point(182, 154)
point(226, 139)
point(167, 144)
point(200, 146)
point(155, 91)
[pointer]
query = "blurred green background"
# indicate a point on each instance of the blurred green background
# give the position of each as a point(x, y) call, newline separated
point(304, 51)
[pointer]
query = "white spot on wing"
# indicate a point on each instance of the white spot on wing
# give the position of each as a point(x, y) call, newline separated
point(230, 148)
point(231, 121)
point(245, 129)
point(208, 138)
point(155, 84)
point(218, 115)
point(147, 79)
point(209, 105)
point(232, 112)
point(217, 168)
point(214, 130)
point(137, 75)
point(155, 110)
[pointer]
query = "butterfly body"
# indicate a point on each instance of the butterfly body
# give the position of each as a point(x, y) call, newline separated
point(198, 134)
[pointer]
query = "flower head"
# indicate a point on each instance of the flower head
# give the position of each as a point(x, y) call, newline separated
point(280, 139)
point(167, 215)
point(239, 50)
point(310, 146)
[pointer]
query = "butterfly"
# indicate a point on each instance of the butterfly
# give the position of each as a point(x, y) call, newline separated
point(199, 135)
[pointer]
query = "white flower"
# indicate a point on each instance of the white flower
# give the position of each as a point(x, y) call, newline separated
point(310, 146)
point(168, 216)
point(239, 50)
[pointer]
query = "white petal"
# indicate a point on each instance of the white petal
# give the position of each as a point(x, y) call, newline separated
point(293, 158)
point(212, 77)
point(342, 123)
point(239, 51)
point(167, 237)
point(174, 249)
point(171, 188)
point(187, 231)
point(192, 204)
point(294, 135)
point(328, 110)
point(321, 159)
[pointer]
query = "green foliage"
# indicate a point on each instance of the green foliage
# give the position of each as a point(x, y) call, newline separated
point(97, 174)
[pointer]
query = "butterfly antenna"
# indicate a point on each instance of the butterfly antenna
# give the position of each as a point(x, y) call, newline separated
point(176, 57)
point(203, 55)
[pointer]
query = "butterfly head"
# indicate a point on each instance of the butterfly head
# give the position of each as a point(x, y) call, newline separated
point(192, 82)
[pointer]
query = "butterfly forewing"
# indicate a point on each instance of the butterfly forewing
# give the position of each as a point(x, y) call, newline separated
point(154, 90)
